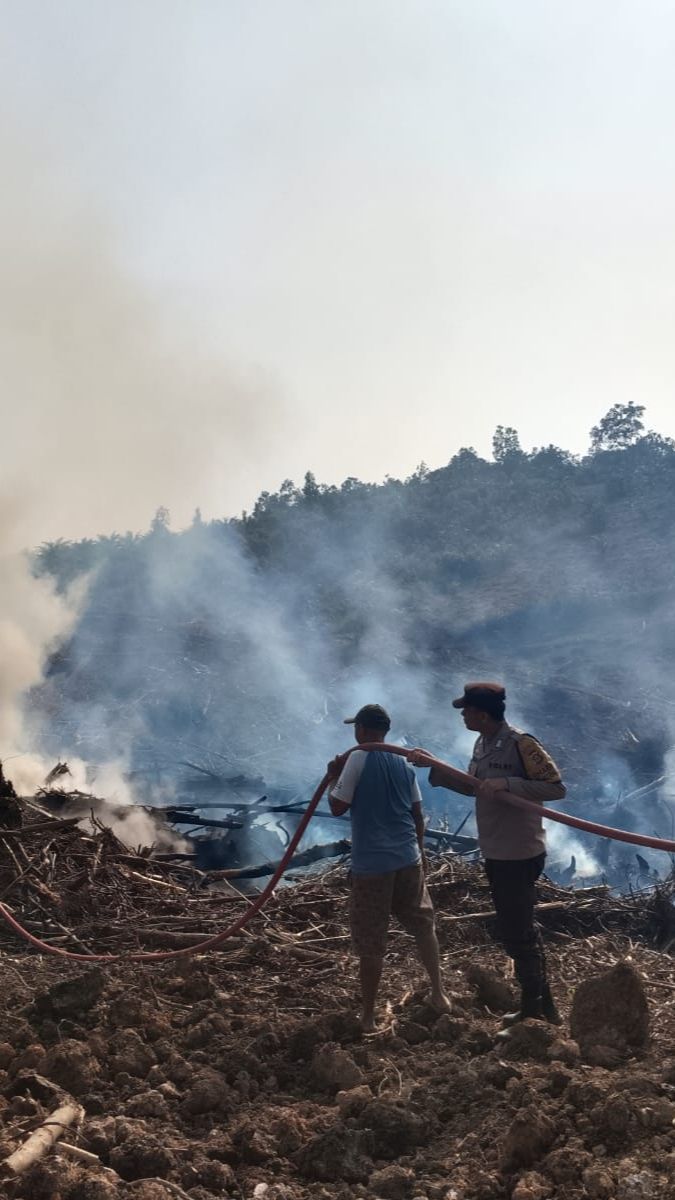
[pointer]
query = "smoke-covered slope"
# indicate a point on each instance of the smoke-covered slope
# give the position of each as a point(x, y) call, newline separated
point(240, 645)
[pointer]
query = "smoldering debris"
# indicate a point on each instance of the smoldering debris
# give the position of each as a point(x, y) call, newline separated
point(246, 840)
point(86, 887)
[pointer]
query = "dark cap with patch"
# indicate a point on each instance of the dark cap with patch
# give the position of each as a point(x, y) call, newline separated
point(481, 695)
point(372, 716)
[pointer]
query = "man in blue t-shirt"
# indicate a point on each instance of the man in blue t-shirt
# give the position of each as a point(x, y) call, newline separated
point(381, 794)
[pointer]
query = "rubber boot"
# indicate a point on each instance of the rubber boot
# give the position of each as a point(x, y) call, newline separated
point(548, 1006)
point(531, 1007)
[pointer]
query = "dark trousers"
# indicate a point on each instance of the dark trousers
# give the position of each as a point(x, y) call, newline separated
point(513, 895)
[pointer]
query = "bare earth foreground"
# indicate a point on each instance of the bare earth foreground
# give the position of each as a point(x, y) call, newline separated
point(242, 1073)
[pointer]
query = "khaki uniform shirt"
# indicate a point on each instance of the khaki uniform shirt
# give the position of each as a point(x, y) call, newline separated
point(504, 831)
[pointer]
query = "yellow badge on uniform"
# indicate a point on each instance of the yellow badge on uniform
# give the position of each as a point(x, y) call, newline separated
point(538, 764)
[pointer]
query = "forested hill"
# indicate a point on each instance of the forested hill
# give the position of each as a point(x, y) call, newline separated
point(246, 641)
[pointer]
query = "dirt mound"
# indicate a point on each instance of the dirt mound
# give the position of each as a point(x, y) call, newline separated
point(610, 1015)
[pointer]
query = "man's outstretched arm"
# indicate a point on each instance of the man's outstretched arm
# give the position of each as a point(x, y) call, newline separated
point(441, 774)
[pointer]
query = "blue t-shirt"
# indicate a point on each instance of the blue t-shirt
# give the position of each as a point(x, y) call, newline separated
point(380, 790)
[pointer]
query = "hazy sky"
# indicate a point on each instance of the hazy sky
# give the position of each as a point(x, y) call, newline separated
point(244, 238)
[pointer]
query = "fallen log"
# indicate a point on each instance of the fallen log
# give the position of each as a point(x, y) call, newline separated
point(54, 824)
point(164, 856)
point(304, 955)
point(85, 1156)
point(161, 883)
point(42, 1140)
point(182, 817)
point(490, 912)
point(314, 854)
point(456, 841)
point(176, 940)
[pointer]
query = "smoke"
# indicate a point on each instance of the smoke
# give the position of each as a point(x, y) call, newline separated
point(32, 619)
point(246, 657)
point(110, 400)
point(110, 397)
point(239, 649)
point(104, 796)
point(113, 402)
point(669, 784)
point(190, 652)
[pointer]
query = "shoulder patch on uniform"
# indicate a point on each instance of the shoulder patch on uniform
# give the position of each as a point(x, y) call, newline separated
point(517, 734)
point(537, 762)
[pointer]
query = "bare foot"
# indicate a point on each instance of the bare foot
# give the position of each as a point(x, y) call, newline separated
point(367, 1022)
point(440, 1003)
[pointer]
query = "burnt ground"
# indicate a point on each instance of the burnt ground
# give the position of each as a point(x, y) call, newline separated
point(243, 1074)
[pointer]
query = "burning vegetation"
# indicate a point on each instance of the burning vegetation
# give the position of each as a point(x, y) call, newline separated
point(222, 658)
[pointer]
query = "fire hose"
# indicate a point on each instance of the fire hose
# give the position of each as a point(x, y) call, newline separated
point(212, 943)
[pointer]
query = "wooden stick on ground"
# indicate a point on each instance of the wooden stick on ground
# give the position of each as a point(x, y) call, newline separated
point(170, 940)
point(84, 1156)
point(161, 883)
point(42, 1140)
point(490, 912)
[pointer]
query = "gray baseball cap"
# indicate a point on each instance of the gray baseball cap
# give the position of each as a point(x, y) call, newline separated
point(373, 716)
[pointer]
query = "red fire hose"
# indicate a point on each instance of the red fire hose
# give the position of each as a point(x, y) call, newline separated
point(618, 835)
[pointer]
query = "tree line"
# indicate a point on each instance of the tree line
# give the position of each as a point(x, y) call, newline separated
point(547, 568)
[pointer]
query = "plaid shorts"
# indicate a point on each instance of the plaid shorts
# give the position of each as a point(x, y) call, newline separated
point(372, 900)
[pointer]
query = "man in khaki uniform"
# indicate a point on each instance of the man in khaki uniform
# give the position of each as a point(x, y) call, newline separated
point(512, 840)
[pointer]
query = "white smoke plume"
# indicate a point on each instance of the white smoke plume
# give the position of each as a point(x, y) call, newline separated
point(110, 401)
point(32, 619)
point(114, 402)
point(104, 794)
